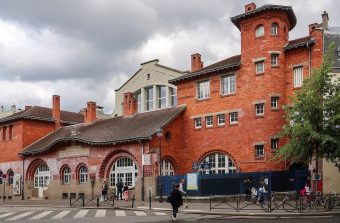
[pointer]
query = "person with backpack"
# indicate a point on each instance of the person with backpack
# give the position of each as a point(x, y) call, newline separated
point(248, 183)
point(120, 186)
point(176, 200)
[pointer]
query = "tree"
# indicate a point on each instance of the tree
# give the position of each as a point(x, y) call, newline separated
point(313, 121)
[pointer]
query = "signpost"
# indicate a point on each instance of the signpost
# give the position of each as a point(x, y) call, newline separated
point(4, 186)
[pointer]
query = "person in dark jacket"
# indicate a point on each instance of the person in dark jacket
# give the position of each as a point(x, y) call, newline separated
point(104, 190)
point(176, 201)
point(120, 186)
point(248, 184)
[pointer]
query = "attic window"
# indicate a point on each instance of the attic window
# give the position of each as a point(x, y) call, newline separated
point(148, 76)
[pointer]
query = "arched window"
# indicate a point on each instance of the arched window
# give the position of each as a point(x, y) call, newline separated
point(259, 31)
point(83, 174)
point(217, 163)
point(42, 176)
point(124, 169)
point(273, 29)
point(167, 168)
point(67, 175)
point(1, 176)
point(10, 174)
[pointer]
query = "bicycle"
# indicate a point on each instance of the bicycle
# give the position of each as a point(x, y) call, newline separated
point(315, 201)
point(289, 202)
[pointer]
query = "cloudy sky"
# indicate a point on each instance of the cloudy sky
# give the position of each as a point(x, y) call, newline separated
point(83, 50)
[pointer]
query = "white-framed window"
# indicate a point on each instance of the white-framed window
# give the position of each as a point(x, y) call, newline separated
point(167, 168)
point(161, 97)
point(203, 89)
point(83, 175)
point(139, 102)
point(198, 123)
point(259, 31)
point(228, 84)
point(259, 109)
point(67, 175)
point(298, 76)
point(274, 102)
point(274, 144)
point(209, 121)
point(124, 170)
point(259, 67)
point(233, 117)
point(173, 96)
point(221, 119)
point(273, 29)
point(42, 176)
point(10, 177)
point(149, 99)
point(219, 163)
point(259, 150)
point(274, 59)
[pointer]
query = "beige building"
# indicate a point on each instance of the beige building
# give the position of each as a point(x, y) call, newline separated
point(4, 113)
point(150, 87)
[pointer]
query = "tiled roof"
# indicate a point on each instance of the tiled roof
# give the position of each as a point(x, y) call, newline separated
point(287, 9)
point(109, 131)
point(229, 63)
point(45, 114)
point(301, 42)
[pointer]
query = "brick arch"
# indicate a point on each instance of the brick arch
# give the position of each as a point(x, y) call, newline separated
point(204, 155)
point(173, 161)
point(61, 171)
point(78, 169)
point(32, 167)
point(111, 158)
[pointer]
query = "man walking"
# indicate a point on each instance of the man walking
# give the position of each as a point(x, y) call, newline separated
point(181, 189)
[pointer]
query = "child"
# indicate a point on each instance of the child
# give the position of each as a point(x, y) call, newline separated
point(126, 192)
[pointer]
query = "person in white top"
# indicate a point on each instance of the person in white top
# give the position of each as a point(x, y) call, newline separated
point(183, 192)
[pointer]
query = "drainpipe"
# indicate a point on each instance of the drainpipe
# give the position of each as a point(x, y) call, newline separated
point(23, 178)
point(309, 57)
point(142, 148)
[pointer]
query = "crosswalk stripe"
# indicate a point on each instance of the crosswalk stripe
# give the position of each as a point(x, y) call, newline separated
point(60, 215)
point(120, 213)
point(160, 213)
point(140, 213)
point(41, 215)
point(7, 214)
point(19, 216)
point(100, 214)
point(81, 214)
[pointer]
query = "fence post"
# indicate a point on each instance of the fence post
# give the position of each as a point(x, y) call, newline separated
point(210, 202)
point(133, 201)
point(150, 199)
point(237, 203)
point(300, 204)
point(270, 203)
point(70, 201)
point(83, 198)
point(97, 201)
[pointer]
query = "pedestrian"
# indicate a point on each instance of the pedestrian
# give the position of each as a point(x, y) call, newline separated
point(104, 191)
point(120, 186)
point(176, 201)
point(248, 184)
point(183, 192)
point(262, 189)
point(126, 192)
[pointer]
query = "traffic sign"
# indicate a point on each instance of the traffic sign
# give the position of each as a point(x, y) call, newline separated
point(4, 176)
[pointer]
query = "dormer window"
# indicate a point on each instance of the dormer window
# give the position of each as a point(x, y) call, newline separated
point(273, 29)
point(259, 31)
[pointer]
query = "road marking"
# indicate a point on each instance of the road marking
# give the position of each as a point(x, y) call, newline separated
point(191, 210)
point(100, 214)
point(81, 214)
point(143, 207)
point(41, 215)
point(20, 216)
point(7, 214)
point(162, 209)
point(61, 215)
point(140, 213)
point(160, 213)
point(120, 213)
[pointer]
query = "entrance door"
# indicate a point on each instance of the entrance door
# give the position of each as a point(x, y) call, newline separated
point(42, 179)
point(124, 169)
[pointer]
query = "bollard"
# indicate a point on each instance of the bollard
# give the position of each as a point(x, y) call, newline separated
point(83, 198)
point(210, 202)
point(70, 201)
point(113, 201)
point(238, 203)
point(97, 201)
point(150, 199)
point(133, 201)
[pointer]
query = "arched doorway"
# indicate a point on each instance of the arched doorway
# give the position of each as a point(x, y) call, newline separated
point(218, 163)
point(41, 178)
point(126, 170)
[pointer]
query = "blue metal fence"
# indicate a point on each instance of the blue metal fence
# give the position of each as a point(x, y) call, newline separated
point(232, 183)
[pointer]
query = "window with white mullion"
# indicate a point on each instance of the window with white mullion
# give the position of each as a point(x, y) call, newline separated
point(149, 99)
point(173, 96)
point(298, 76)
point(228, 84)
point(219, 163)
point(198, 123)
point(203, 89)
point(259, 67)
point(67, 175)
point(83, 175)
point(259, 109)
point(274, 59)
point(209, 121)
point(161, 97)
point(139, 102)
point(221, 119)
point(167, 168)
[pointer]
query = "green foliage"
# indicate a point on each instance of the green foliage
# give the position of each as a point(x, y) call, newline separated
point(313, 121)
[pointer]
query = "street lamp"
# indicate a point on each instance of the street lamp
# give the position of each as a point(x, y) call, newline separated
point(159, 135)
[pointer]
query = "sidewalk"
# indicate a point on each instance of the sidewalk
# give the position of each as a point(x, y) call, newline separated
point(193, 208)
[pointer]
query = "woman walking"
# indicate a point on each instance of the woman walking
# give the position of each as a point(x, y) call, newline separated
point(126, 192)
point(176, 201)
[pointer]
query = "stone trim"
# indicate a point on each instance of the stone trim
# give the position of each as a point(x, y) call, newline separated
point(259, 59)
point(216, 113)
point(259, 102)
point(274, 52)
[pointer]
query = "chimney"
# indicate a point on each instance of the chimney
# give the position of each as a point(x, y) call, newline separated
point(90, 112)
point(56, 111)
point(325, 19)
point(249, 7)
point(196, 62)
point(311, 27)
point(27, 107)
point(130, 104)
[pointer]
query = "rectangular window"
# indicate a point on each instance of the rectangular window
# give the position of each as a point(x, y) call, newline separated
point(139, 102)
point(274, 60)
point(173, 96)
point(221, 119)
point(198, 123)
point(274, 144)
point(228, 84)
point(259, 67)
point(10, 132)
point(203, 89)
point(298, 76)
point(208, 121)
point(233, 117)
point(274, 102)
point(259, 151)
point(149, 99)
point(4, 132)
point(161, 97)
point(259, 109)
